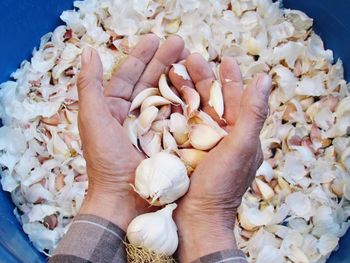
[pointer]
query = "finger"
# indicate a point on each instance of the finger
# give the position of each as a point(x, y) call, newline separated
point(178, 81)
point(118, 107)
point(201, 74)
point(89, 83)
point(168, 53)
point(232, 88)
point(124, 80)
point(185, 53)
point(253, 112)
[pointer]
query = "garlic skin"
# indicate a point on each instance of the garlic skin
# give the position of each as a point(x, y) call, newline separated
point(155, 231)
point(161, 179)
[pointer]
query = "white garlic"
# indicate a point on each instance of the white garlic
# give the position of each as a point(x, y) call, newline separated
point(155, 231)
point(161, 179)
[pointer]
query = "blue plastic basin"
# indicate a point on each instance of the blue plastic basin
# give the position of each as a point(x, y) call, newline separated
point(23, 22)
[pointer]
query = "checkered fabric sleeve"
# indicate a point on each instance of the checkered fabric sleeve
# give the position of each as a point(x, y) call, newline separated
point(94, 239)
point(91, 239)
point(225, 256)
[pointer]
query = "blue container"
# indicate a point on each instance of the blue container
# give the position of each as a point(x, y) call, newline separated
point(23, 22)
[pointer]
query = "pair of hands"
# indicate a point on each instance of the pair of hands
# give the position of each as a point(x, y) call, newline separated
point(208, 210)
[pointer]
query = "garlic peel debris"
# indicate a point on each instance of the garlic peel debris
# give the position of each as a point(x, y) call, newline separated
point(181, 70)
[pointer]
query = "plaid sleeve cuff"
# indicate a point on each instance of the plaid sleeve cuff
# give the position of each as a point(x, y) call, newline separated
point(91, 239)
point(225, 256)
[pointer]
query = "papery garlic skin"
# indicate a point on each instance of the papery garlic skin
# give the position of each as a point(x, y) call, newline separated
point(155, 231)
point(161, 179)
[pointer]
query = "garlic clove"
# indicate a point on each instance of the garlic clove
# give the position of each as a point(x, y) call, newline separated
point(160, 125)
point(130, 126)
point(216, 99)
point(59, 182)
point(265, 190)
point(164, 112)
point(151, 143)
point(154, 101)
point(191, 157)
point(146, 118)
point(283, 184)
point(155, 231)
point(203, 137)
point(137, 101)
point(161, 179)
point(167, 92)
point(192, 99)
point(181, 138)
point(172, 26)
point(178, 123)
point(206, 118)
point(169, 143)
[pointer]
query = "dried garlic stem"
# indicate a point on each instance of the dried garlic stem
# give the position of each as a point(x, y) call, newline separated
point(138, 254)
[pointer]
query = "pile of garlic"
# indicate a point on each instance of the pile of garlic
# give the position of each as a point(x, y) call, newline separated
point(297, 209)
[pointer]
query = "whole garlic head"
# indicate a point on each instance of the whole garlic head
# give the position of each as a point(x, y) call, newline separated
point(161, 179)
point(155, 231)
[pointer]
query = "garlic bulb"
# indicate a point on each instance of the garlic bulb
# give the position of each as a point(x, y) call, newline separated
point(155, 231)
point(161, 179)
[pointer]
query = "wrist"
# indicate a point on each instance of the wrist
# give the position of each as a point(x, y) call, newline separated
point(203, 235)
point(116, 208)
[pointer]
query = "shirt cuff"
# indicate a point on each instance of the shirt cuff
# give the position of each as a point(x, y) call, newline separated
point(91, 239)
point(225, 256)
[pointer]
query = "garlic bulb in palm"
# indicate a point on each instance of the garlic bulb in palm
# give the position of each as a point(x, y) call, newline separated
point(155, 231)
point(161, 179)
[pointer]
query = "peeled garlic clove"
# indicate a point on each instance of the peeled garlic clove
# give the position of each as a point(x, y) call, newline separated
point(204, 137)
point(146, 118)
point(160, 125)
point(192, 99)
point(169, 143)
point(191, 157)
point(155, 231)
point(154, 101)
point(151, 143)
point(265, 190)
point(164, 112)
point(167, 92)
point(178, 123)
point(130, 126)
point(180, 138)
point(209, 120)
point(161, 179)
point(136, 103)
point(216, 99)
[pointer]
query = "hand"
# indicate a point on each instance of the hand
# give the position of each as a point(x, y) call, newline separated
point(110, 156)
point(207, 212)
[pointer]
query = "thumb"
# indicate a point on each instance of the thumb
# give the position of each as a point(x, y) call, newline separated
point(253, 111)
point(90, 78)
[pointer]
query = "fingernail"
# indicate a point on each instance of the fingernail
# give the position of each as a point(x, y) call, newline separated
point(86, 56)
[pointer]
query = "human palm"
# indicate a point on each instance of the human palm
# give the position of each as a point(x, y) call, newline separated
point(110, 156)
point(220, 180)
